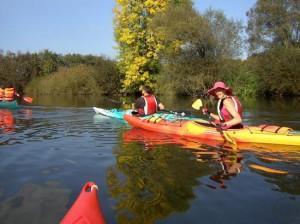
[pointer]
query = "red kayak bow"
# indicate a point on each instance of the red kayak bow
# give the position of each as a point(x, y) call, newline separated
point(86, 209)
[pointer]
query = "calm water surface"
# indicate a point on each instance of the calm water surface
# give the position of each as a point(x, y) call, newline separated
point(50, 149)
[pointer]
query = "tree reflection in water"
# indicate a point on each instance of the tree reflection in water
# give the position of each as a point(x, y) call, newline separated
point(151, 184)
point(154, 177)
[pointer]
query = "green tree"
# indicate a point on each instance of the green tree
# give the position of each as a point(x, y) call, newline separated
point(189, 53)
point(49, 62)
point(108, 76)
point(227, 34)
point(274, 23)
point(278, 71)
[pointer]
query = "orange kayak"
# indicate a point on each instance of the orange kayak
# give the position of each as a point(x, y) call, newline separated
point(264, 134)
point(86, 209)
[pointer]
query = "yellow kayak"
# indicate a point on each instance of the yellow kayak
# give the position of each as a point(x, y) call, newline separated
point(264, 134)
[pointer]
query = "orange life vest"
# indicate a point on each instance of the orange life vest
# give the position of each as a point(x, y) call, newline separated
point(1, 94)
point(9, 94)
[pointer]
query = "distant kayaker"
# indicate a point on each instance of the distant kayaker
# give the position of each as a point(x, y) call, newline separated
point(147, 104)
point(8, 94)
point(229, 107)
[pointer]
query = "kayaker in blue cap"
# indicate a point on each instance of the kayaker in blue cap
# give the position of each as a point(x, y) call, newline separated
point(229, 108)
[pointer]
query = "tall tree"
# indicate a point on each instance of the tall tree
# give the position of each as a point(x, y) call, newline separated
point(274, 23)
point(189, 48)
point(138, 44)
point(227, 34)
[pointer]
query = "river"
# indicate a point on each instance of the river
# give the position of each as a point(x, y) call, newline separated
point(48, 150)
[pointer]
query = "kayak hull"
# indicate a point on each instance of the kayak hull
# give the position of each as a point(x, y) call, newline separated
point(9, 104)
point(186, 128)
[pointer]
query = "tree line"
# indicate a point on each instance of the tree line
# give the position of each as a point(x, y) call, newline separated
point(174, 48)
point(49, 73)
point(193, 49)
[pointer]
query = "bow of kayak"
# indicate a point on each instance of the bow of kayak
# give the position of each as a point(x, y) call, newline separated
point(113, 113)
point(86, 209)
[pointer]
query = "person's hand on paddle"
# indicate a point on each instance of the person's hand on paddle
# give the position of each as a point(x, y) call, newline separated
point(222, 126)
point(205, 111)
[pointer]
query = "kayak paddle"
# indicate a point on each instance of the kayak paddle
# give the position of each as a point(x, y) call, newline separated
point(197, 106)
point(27, 99)
point(179, 113)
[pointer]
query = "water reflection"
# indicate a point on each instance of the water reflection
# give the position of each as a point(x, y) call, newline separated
point(230, 166)
point(7, 121)
point(226, 162)
point(279, 163)
point(149, 185)
point(152, 139)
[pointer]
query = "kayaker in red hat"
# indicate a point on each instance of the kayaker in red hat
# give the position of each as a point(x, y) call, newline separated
point(229, 108)
point(147, 104)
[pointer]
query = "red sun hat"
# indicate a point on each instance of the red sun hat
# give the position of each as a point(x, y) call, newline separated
point(220, 85)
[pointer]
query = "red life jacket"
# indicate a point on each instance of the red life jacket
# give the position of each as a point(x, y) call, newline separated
point(223, 113)
point(150, 105)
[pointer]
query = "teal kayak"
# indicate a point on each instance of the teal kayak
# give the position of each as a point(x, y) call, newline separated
point(113, 113)
point(119, 114)
point(9, 104)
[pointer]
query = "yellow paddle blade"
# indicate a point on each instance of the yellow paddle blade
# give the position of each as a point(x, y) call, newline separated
point(197, 104)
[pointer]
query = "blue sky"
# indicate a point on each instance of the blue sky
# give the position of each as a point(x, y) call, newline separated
point(76, 26)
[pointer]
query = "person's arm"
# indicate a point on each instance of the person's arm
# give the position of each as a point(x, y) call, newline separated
point(236, 118)
point(161, 106)
point(133, 106)
point(214, 116)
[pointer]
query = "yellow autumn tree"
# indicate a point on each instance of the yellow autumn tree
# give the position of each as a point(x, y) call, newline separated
point(138, 44)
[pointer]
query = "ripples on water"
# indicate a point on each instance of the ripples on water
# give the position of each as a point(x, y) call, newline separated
point(48, 153)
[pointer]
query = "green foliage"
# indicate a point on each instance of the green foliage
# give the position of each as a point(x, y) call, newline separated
point(108, 77)
point(77, 80)
point(278, 71)
point(240, 78)
point(49, 62)
point(18, 70)
point(274, 23)
point(195, 47)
